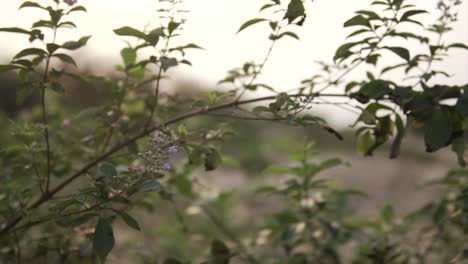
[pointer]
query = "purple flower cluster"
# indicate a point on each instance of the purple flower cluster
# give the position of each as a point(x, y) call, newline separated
point(70, 2)
point(161, 146)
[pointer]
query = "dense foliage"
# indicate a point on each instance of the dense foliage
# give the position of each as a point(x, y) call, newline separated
point(65, 181)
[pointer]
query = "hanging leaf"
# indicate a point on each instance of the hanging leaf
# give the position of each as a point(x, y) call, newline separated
point(438, 130)
point(295, 10)
point(129, 220)
point(103, 240)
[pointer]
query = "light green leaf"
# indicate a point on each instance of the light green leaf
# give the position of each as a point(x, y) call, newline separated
point(129, 56)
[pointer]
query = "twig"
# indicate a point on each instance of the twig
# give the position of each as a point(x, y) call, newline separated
point(48, 195)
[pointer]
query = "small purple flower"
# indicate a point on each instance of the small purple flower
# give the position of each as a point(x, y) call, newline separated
point(158, 137)
point(166, 166)
point(172, 150)
point(70, 2)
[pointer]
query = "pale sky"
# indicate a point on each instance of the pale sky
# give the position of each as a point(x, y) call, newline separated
point(212, 24)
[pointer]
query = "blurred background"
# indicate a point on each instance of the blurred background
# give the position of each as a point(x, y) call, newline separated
point(213, 24)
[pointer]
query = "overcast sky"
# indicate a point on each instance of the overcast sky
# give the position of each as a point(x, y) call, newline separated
point(212, 24)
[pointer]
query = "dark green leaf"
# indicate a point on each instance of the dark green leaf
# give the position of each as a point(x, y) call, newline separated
point(65, 58)
point(30, 51)
point(103, 240)
point(458, 45)
point(402, 52)
point(250, 23)
point(77, 8)
point(438, 130)
point(295, 10)
point(218, 248)
point(459, 147)
point(56, 87)
point(108, 170)
point(290, 34)
point(131, 32)
point(401, 130)
point(410, 13)
point(73, 45)
point(8, 67)
point(357, 21)
point(129, 220)
point(172, 261)
point(172, 26)
point(52, 47)
point(30, 4)
point(167, 63)
point(15, 30)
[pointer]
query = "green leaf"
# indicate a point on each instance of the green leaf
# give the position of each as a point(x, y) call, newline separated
point(357, 21)
point(29, 52)
point(410, 13)
point(108, 170)
point(31, 4)
point(8, 67)
point(103, 240)
point(129, 220)
point(219, 248)
point(15, 30)
point(438, 130)
point(295, 9)
point(73, 45)
point(130, 32)
point(364, 143)
point(250, 23)
point(56, 87)
point(129, 56)
point(52, 47)
point(167, 63)
point(344, 50)
point(212, 159)
point(459, 147)
point(172, 26)
point(388, 214)
point(172, 261)
point(402, 52)
point(65, 58)
point(82, 219)
point(401, 130)
point(76, 9)
point(290, 34)
point(458, 45)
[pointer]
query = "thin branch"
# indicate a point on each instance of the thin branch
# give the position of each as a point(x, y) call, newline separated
point(48, 195)
point(227, 232)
